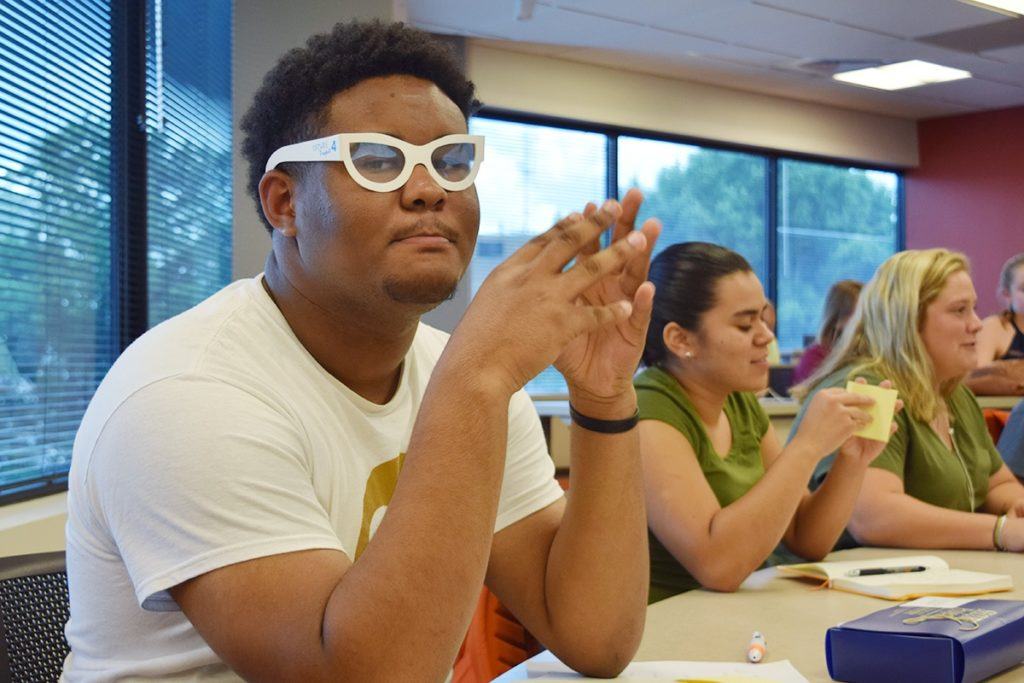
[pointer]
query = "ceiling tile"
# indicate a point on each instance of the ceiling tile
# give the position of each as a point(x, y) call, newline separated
point(908, 18)
point(798, 36)
point(1012, 55)
point(678, 15)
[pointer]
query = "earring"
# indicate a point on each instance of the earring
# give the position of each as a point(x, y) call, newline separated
point(688, 354)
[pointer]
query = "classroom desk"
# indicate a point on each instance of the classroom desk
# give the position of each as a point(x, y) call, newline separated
point(793, 615)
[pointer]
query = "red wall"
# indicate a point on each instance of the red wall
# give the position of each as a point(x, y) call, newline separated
point(968, 192)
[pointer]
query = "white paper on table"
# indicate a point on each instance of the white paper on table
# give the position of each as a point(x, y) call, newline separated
point(779, 672)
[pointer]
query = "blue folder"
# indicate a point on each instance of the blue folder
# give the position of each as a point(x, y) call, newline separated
point(908, 643)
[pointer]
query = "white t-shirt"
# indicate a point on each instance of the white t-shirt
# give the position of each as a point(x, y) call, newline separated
point(216, 438)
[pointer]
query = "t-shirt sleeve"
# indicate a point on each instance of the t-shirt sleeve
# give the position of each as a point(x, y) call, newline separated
point(755, 413)
point(893, 457)
point(529, 483)
point(192, 475)
point(655, 404)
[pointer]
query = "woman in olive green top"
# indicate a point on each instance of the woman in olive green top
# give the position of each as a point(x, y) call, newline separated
point(721, 492)
point(940, 482)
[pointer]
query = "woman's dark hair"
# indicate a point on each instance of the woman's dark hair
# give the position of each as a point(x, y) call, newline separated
point(839, 305)
point(1006, 280)
point(685, 276)
point(291, 103)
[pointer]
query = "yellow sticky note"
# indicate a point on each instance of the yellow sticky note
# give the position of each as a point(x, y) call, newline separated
point(881, 412)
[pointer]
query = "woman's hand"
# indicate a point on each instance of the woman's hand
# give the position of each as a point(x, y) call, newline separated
point(1012, 534)
point(832, 418)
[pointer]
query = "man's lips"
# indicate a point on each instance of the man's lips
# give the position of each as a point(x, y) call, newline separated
point(426, 241)
point(433, 234)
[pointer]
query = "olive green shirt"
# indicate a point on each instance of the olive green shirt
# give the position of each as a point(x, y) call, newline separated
point(956, 479)
point(660, 397)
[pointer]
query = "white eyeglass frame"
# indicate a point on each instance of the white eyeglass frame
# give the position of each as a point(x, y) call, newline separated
point(337, 148)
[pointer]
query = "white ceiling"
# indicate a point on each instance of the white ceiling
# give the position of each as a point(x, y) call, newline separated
point(762, 45)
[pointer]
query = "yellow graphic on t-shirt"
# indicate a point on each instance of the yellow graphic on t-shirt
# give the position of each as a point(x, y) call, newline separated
point(380, 486)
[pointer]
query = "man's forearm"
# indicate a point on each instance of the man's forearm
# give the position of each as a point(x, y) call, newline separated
point(598, 567)
point(404, 606)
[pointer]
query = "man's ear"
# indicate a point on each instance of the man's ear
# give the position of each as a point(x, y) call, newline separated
point(678, 341)
point(277, 197)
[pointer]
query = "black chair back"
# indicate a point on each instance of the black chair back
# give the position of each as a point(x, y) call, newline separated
point(33, 612)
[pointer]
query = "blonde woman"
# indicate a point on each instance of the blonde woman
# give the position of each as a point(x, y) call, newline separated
point(940, 482)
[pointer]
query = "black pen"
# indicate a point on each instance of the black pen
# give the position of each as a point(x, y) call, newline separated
point(874, 571)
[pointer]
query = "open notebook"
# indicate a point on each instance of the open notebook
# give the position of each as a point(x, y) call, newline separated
point(936, 579)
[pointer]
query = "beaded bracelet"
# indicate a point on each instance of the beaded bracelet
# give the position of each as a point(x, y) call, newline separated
point(997, 533)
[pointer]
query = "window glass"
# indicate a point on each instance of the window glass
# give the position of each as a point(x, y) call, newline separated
point(531, 177)
point(188, 114)
point(700, 194)
point(59, 323)
point(56, 339)
point(834, 223)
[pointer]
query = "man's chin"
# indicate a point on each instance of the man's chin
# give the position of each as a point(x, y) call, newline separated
point(421, 291)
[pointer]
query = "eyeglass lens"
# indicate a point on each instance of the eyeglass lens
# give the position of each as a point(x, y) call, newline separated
point(379, 162)
point(376, 161)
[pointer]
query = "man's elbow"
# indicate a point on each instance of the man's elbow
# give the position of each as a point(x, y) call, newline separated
point(607, 661)
point(721, 579)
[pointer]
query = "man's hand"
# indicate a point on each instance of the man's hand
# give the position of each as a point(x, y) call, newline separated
point(530, 307)
point(599, 364)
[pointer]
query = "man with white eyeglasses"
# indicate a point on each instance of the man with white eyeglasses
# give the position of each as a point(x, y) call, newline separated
point(230, 479)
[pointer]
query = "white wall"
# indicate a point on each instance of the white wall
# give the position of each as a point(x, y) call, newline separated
point(557, 87)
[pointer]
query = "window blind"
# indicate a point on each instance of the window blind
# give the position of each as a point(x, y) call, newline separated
point(56, 340)
point(74, 169)
point(188, 115)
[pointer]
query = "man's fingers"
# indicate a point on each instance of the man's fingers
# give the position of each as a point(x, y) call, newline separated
point(606, 262)
point(589, 318)
point(643, 303)
point(630, 208)
point(531, 249)
point(565, 240)
point(636, 270)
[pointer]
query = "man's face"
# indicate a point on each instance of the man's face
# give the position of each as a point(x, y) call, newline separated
point(410, 245)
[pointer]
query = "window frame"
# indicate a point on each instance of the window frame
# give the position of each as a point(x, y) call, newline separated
point(771, 157)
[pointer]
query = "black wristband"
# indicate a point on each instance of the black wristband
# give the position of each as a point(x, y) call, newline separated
point(593, 424)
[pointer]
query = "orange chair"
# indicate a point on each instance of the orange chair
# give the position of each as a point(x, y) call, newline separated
point(496, 641)
point(995, 420)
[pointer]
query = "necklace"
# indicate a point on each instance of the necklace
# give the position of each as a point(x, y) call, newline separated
point(963, 465)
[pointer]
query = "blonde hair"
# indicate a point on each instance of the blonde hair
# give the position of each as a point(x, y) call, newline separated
point(883, 337)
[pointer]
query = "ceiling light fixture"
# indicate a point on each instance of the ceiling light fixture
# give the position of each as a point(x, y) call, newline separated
point(1011, 8)
point(901, 75)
